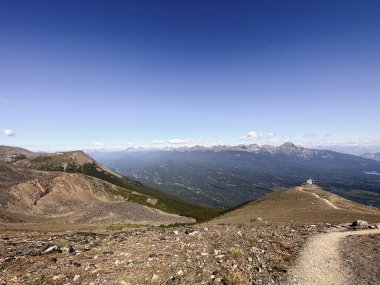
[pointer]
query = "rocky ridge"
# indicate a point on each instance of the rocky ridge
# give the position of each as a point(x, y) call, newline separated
point(287, 148)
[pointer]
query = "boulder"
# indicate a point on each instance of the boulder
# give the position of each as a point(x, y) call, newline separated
point(359, 224)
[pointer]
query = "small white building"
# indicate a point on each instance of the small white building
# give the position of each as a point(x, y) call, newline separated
point(310, 182)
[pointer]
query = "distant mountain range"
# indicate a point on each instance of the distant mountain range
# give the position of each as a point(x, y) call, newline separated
point(351, 149)
point(375, 156)
point(226, 176)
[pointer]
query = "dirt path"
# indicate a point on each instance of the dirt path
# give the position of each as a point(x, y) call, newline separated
point(320, 262)
point(300, 188)
point(326, 201)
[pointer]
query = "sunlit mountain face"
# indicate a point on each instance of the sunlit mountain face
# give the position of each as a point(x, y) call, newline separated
point(227, 176)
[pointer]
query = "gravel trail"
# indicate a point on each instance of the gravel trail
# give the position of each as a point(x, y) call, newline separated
point(317, 196)
point(320, 261)
point(326, 201)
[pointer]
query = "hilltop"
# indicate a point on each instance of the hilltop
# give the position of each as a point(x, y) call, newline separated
point(13, 154)
point(70, 161)
point(73, 187)
point(301, 204)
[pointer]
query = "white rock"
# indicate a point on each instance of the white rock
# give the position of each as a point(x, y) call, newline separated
point(51, 249)
point(57, 277)
point(359, 223)
point(155, 277)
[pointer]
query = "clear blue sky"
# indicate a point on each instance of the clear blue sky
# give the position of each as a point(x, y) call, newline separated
point(82, 74)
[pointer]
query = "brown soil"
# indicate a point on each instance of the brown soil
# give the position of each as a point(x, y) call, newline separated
point(218, 254)
point(361, 255)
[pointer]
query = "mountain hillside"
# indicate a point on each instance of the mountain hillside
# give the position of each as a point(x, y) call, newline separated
point(226, 176)
point(301, 204)
point(50, 197)
point(71, 161)
point(14, 154)
point(375, 156)
point(79, 162)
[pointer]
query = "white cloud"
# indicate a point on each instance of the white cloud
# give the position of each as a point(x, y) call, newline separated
point(252, 134)
point(98, 143)
point(249, 135)
point(158, 142)
point(8, 132)
point(178, 141)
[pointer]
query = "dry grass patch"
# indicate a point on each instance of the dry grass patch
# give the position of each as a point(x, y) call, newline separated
point(281, 265)
point(233, 278)
point(235, 252)
point(285, 245)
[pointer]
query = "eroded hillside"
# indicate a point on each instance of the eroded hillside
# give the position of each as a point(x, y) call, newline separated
point(71, 187)
point(50, 197)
